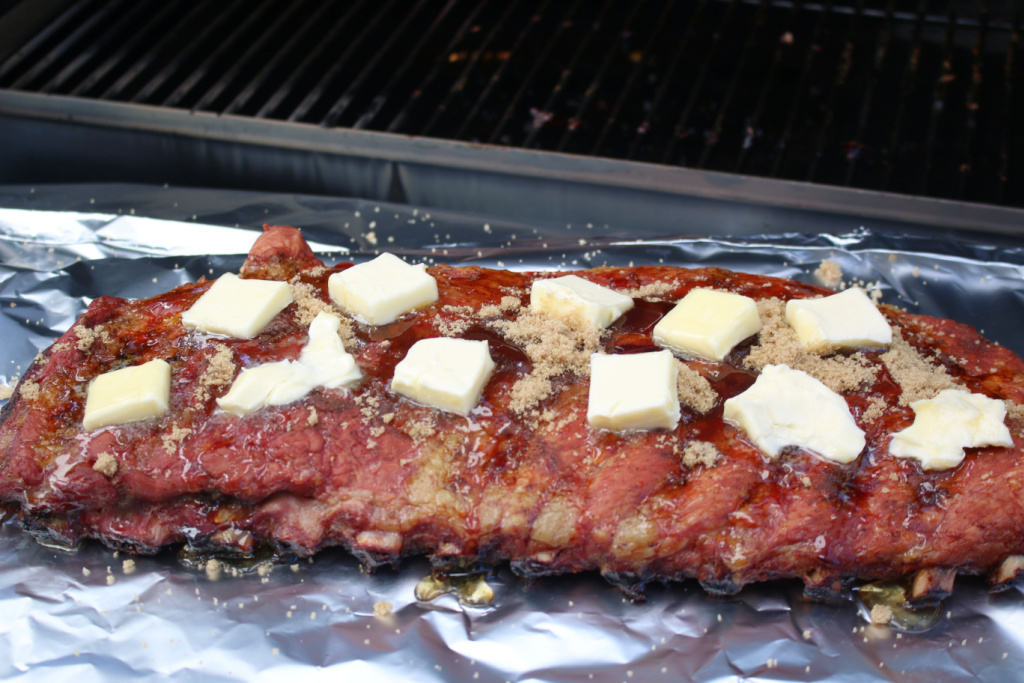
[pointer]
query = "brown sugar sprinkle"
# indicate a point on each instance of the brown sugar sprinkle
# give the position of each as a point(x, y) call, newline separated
point(175, 437)
point(917, 377)
point(829, 274)
point(779, 345)
point(694, 389)
point(457, 310)
point(87, 336)
point(420, 430)
point(553, 345)
point(308, 304)
point(700, 453)
point(508, 304)
point(30, 390)
point(105, 464)
point(313, 418)
point(1015, 414)
point(451, 328)
point(876, 408)
point(651, 291)
point(220, 372)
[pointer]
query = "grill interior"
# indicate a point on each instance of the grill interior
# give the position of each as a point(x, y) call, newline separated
point(913, 97)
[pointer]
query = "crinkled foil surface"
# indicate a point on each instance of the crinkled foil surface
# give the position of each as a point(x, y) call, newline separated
point(88, 616)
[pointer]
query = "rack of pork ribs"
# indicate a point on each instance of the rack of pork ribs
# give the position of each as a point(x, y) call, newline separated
point(524, 479)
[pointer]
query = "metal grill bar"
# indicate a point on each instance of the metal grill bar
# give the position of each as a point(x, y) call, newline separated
point(973, 95)
point(527, 82)
point(96, 18)
point(842, 72)
point(225, 46)
point(625, 90)
point(138, 37)
point(499, 72)
point(113, 34)
point(939, 100)
point(414, 55)
point(1009, 77)
point(881, 50)
point(809, 61)
point(558, 88)
point(680, 130)
point(56, 26)
point(183, 53)
point(755, 118)
point(460, 83)
point(343, 102)
point(595, 83)
point(669, 80)
point(711, 140)
point(257, 47)
point(460, 34)
point(318, 89)
point(288, 84)
point(144, 62)
point(907, 87)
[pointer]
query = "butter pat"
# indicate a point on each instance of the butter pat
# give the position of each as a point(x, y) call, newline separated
point(270, 384)
point(325, 355)
point(634, 391)
point(787, 407)
point(708, 323)
point(841, 321)
point(444, 373)
point(323, 362)
point(945, 425)
point(237, 307)
point(568, 296)
point(128, 395)
point(380, 290)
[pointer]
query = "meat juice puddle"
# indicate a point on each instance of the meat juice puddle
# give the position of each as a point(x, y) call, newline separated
point(892, 596)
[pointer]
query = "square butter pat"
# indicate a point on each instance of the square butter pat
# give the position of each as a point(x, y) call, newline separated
point(128, 395)
point(708, 323)
point(444, 373)
point(841, 321)
point(236, 307)
point(380, 290)
point(571, 295)
point(635, 391)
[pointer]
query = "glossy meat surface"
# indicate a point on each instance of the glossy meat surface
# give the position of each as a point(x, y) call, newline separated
point(534, 486)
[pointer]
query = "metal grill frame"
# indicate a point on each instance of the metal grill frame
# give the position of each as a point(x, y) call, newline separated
point(191, 149)
point(277, 85)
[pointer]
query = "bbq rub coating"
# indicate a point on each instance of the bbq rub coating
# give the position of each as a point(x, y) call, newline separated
point(523, 478)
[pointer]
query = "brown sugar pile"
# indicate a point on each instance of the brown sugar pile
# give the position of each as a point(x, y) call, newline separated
point(779, 345)
point(918, 378)
point(694, 389)
point(554, 346)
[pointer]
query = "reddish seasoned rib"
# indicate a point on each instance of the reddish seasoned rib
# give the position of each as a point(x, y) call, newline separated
point(536, 487)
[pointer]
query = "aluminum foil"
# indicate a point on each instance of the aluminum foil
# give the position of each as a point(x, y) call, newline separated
point(93, 614)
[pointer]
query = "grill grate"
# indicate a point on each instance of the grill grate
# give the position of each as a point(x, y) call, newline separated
point(911, 96)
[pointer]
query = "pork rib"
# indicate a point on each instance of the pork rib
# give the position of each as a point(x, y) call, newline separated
point(532, 486)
